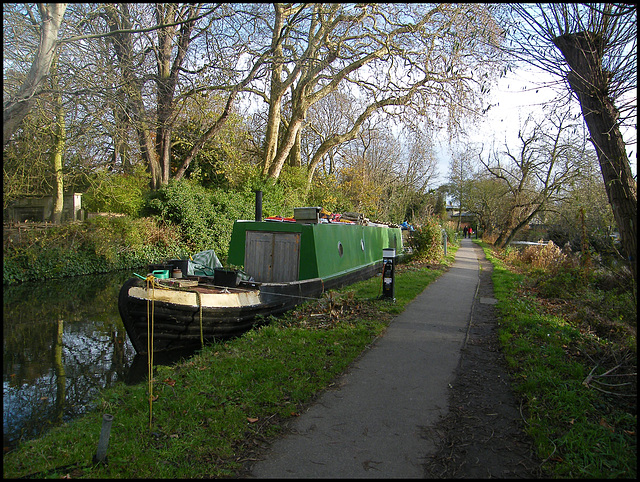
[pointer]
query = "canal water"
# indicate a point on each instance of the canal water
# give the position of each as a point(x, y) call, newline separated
point(63, 341)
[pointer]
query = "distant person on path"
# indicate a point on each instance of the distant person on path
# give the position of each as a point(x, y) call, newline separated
point(465, 231)
point(470, 231)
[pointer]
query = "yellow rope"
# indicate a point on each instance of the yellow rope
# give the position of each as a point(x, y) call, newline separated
point(150, 323)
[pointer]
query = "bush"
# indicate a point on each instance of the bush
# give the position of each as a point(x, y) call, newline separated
point(426, 241)
point(205, 217)
point(325, 191)
point(99, 245)
point(452, 233)
point(547, 257)
point(117, 193)
point(279, 198)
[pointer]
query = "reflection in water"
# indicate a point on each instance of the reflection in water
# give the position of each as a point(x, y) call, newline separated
point(63, 341)
point(61, 376)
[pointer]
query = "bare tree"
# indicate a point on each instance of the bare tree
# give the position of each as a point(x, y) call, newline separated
point(460, 175)
point(416, 167)
point(17, 106)
point(399, 58)
point(224, 65)
point(487, 196)
point(173, 36)
point(550, 154)
point(329, 115)
point(594, 48)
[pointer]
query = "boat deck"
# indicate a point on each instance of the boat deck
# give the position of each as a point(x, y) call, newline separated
point(219, 289)
point(208, 287)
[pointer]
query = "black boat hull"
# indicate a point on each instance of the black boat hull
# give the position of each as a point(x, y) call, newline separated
point(179, 326)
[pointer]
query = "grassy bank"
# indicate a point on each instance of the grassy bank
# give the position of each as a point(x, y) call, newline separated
point(569, 336)
point(213, 410)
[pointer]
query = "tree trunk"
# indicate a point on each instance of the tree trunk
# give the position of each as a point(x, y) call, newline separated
point(583, 53)
point(59, 139)
point(132, 88)
point(16, 109)
point(287, 144)
point(168, 75)
point(521, 225)
point(295, 158)
point(58, 202)
point(276, 91)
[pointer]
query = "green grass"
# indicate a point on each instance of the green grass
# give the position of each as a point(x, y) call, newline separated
point(213, 408)
point(578, 430)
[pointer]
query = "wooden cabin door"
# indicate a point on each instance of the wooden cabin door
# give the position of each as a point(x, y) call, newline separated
point(272, 256)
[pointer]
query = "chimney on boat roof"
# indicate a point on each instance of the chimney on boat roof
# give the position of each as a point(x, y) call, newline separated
point(258, 206)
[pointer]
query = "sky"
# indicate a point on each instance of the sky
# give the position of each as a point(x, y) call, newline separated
point(519, 93)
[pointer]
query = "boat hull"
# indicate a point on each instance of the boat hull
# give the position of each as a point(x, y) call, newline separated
point(189, 318)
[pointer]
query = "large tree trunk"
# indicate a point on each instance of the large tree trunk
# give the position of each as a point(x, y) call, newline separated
point(59, 141)
point(276, 91)
point(168, 75)
point(583, 53)
point(123, 45)
point(285, 148)
point(16, 109)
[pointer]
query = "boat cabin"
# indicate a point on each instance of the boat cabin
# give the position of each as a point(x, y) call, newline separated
point(272, 251)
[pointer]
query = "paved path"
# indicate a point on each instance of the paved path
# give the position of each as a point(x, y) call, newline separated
point(375, 423)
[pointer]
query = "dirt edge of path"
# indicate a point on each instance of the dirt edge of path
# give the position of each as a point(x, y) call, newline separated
point(483, 434)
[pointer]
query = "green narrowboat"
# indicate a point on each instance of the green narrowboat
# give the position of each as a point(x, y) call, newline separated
point(283, 264)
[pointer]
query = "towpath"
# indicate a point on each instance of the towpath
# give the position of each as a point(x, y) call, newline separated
point(378, 420)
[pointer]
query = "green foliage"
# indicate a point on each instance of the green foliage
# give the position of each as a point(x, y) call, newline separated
point(573, 356)
point(98, 245)
point(452, 233)
point(221, 161)
point(326, 192)
point(117, 193)
point(280, 197)
point(205, 217)
point(426, 241)
point(440, 208)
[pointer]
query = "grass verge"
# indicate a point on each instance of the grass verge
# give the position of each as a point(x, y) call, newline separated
point(576, 378)
point(213, 410)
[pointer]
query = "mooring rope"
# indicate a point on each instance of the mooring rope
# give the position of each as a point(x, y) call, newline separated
point(150, 324)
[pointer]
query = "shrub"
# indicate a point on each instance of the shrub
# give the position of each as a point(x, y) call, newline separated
point(325, 191)
point(452, 233)
point(547, 257)
point(426, 241)
point(279, 198)
point(205, 217)
point(96, 246)
point(117, 193)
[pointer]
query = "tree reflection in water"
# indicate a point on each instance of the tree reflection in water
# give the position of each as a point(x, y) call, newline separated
point(63, 341)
